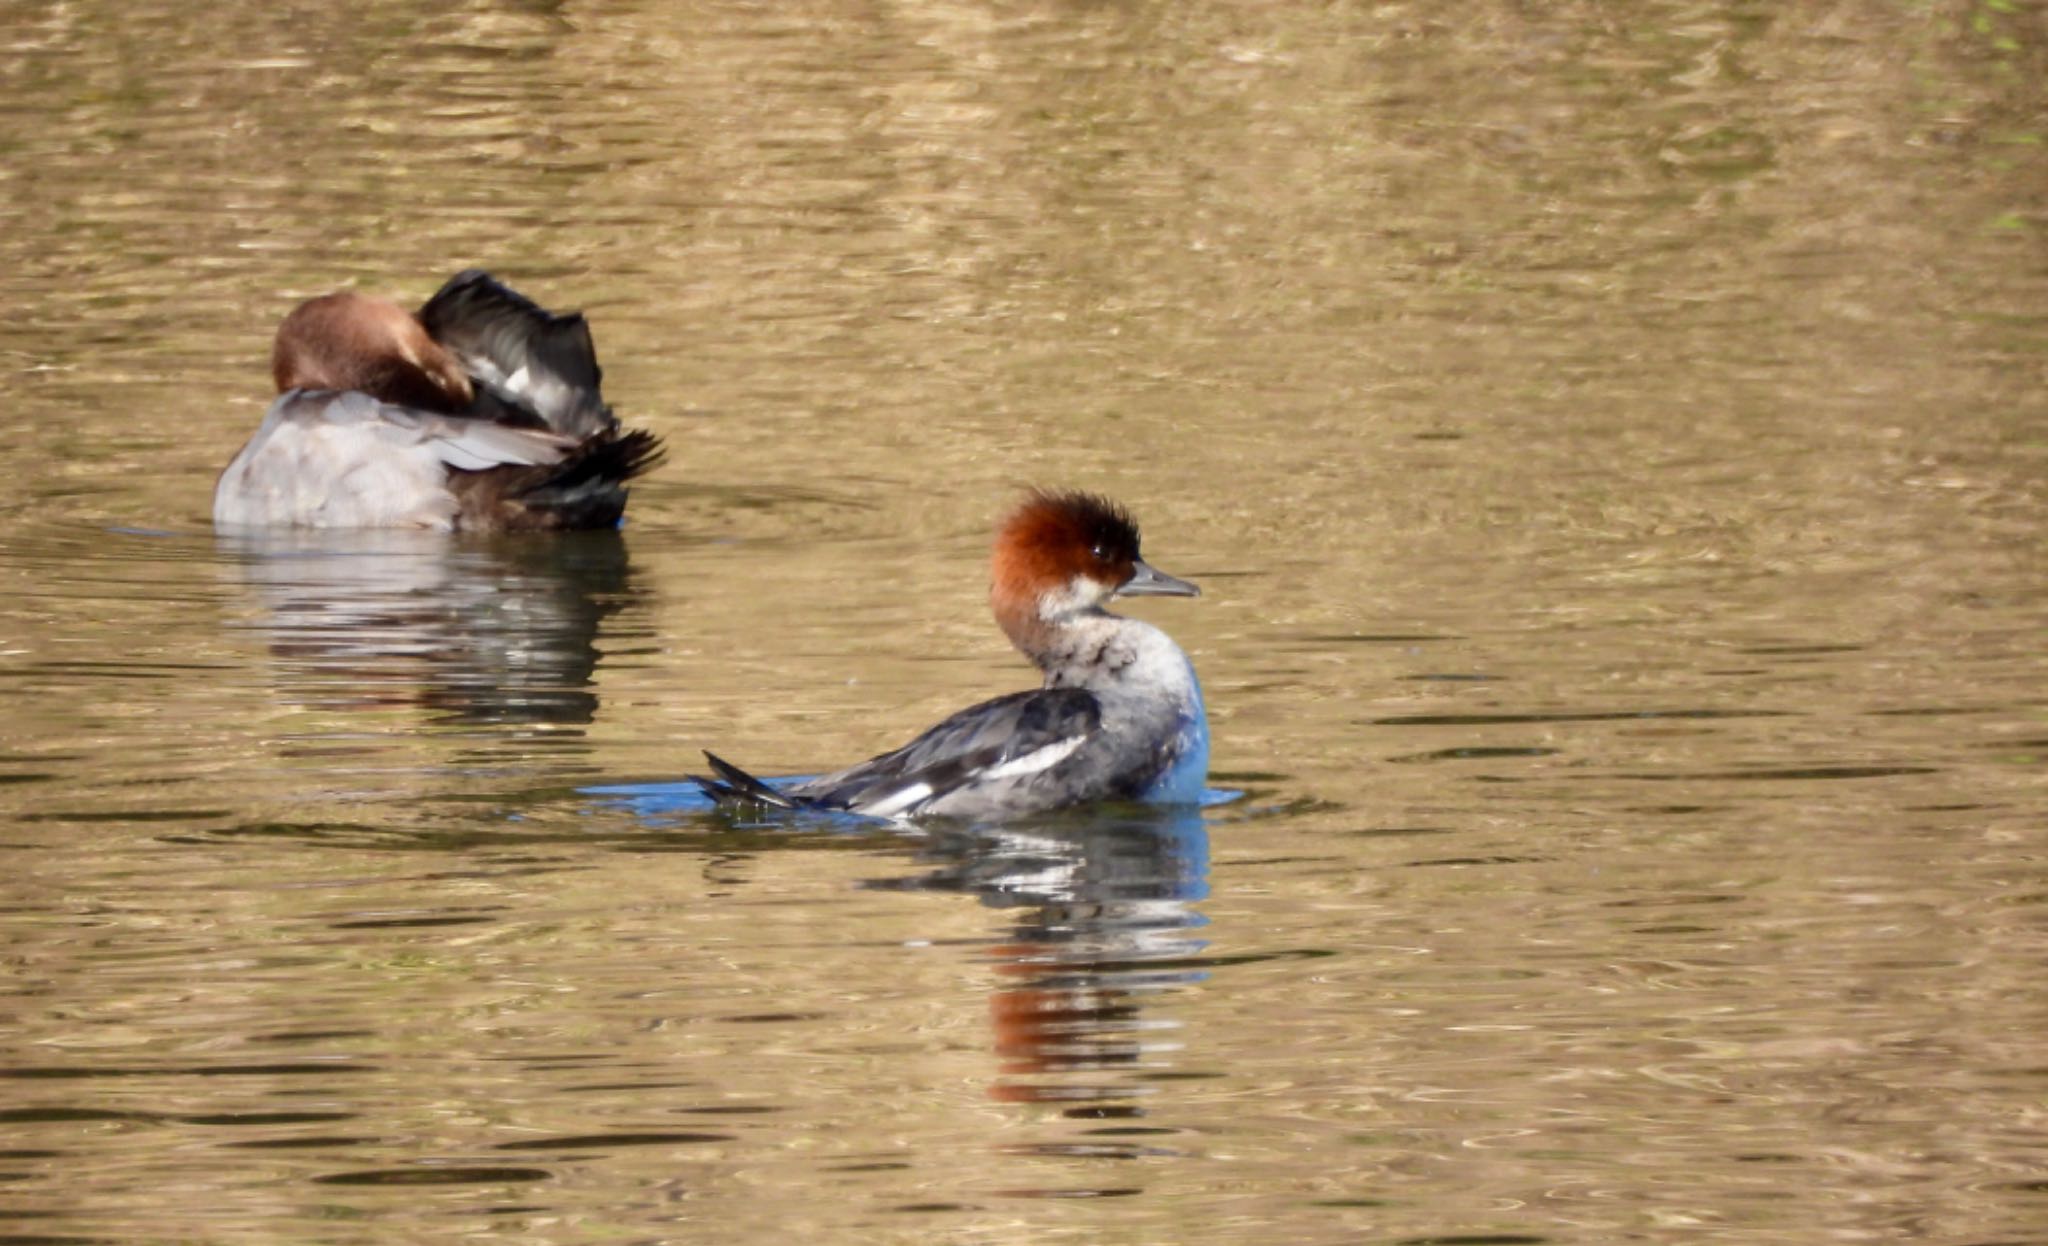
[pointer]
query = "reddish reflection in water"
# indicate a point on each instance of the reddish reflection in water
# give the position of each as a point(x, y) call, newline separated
point(1105, 925)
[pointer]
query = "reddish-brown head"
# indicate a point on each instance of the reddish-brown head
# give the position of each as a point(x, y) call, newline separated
point(352, 341)
point(1063, 552)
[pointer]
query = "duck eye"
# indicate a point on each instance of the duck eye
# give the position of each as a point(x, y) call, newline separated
point(1101, 552)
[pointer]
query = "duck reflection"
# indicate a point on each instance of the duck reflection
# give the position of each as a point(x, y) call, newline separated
point(488, 631)
point(1104, 923)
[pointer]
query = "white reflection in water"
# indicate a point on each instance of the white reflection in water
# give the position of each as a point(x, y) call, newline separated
point(500, 632)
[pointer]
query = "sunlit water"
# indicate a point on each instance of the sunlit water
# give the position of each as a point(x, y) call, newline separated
point(1612, 442)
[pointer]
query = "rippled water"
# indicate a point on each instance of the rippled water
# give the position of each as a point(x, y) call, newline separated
point(1612, 440)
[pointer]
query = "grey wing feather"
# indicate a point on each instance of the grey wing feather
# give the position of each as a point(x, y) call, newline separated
point(974, 741)
point(367, 425)
point(326, 459)
point(528, 361)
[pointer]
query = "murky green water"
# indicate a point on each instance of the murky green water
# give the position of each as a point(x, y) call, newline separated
point(1613, 440)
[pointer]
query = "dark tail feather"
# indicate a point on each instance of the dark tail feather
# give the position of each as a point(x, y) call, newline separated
point(735, 786)
point(500, 334)
point(610, 461)
point(585, 490)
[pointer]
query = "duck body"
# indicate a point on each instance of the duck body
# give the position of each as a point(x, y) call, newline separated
point(1119, 716)
point(482, 412)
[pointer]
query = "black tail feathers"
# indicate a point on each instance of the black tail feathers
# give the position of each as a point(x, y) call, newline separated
point(585, 490)
point(735, 786)
point(605, 461)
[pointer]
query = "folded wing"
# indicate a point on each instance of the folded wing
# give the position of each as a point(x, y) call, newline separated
point(1009, 739)
point(323, 458)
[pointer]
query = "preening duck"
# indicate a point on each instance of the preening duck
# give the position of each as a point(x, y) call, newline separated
point(482, 412)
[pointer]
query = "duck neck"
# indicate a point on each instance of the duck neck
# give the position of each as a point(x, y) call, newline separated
point(1111, 655)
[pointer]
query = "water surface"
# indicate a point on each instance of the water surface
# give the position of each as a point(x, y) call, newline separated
point(1611, 441)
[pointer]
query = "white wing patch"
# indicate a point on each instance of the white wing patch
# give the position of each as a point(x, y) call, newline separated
point(904, 801)
point(1036, 760)
point(897, 802)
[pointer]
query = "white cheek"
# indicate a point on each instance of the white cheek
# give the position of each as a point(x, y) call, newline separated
point(1079, 593)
